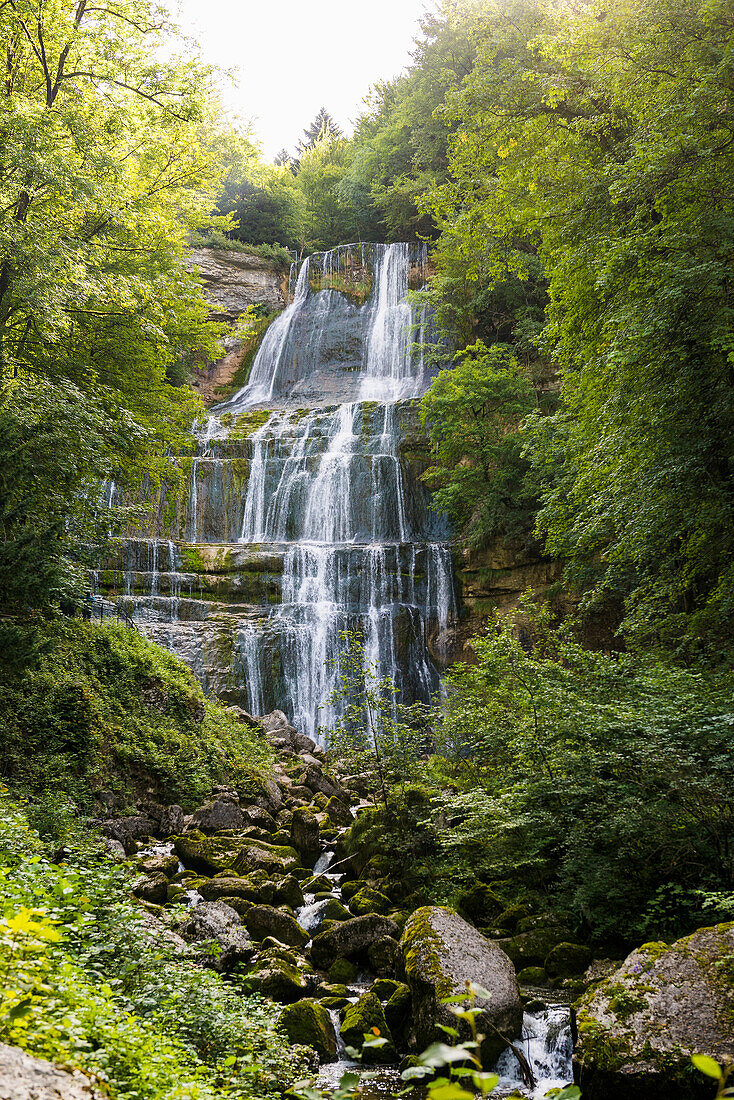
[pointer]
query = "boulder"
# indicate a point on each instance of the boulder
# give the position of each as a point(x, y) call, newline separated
point(218, 815)
point(308, 1023)
point(216, 923)
point(532, 975)
point(153, 888)
point(279, 975)
point(532, 948)
point(159, 865)
point(367, 1015)
point(127, 830)
point(305, 834)
point(234, 886)
point(342, 971)
point(23, 1077)
point(172, 822)
point(338, 811)
point(442, 952)
point(256, 815)
point(567, 959)
point(382, 954)
point(639, 1027)
point(210, 855)
point(350, 938)
point(264, 920)
point(369, 900)
point(398, 1014)
point(288, 892)
point(276, 720)
point(302, 743)
point(480, 904)
point(316, 781)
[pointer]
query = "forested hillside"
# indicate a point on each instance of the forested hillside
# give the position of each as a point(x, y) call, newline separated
point(522, 364)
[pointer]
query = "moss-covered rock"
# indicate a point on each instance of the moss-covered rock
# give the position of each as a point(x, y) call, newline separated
point(398, 1014)
point(305, 834)
point(288, 892)
point(369, 900)
point(532, 948)
point(532, 975)
point(442, 952)
point(237, 852)
point(338, 811)
point(382, 954)
point(567, 959)
point(265, 920)
point(279, 975)
point(384, 988)
point(367, 1015)
point(334, 910)
point(350, 938)
point(480, 904)
point(342, 971)
point(639, 1027)
point(308, 1023)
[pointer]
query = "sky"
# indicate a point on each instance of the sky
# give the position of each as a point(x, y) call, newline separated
point(291, 57)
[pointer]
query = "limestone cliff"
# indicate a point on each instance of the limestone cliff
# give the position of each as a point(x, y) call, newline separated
point(234, 280)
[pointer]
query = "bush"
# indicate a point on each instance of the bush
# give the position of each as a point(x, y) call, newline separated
point(87, 981)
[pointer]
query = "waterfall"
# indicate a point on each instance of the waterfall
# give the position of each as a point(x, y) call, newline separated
point(319, 522)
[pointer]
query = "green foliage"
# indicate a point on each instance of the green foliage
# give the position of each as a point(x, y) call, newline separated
point(473, 412)
point(101, 707)
point(90, 982)
point(57, 447)
point(603, 148)
point(603, 780)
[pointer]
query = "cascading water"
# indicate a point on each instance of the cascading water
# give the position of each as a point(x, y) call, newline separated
point(329, 531)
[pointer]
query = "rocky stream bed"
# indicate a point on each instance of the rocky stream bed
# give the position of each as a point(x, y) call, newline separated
point(270, 888)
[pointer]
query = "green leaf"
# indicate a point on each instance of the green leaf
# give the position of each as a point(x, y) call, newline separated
point(707, 1065)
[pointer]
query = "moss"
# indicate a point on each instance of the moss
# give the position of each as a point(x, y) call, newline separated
point(249, 422)
point(192, 559)
point(308, 1023)
point(422, 949)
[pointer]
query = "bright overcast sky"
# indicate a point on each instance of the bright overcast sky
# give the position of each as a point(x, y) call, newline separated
point(291, 57)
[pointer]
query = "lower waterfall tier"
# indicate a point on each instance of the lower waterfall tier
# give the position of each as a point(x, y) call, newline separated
point(262, 625)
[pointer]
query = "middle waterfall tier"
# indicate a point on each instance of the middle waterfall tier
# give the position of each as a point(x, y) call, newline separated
point(303, 521)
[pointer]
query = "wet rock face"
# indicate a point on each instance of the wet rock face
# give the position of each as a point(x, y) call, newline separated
point(442, 952)
point(23, 1077)
point(639, 1027)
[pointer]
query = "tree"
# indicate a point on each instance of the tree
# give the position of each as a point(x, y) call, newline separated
point(110, 156)
point(473, 412)
point(322, 127)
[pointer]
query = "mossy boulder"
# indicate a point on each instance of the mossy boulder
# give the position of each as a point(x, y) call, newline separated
point(567, 960)
point(532, 975)
point(288, 892)
point(369, 900)
point(265, 920)
point(308, 1023)
point(398, 1014)
point(338, 811)
point(350, 938)
point(367, 1015)
point(305, 834)
point(342, 971)
point(382, 954)
point(233, 886)
point(479, 904)
point(279, 975)
point(256, 855)
point(442, 952)
point(532, 948)
point(639, 1027)
point(236, 852)
point(384, 988)
point(334, 910)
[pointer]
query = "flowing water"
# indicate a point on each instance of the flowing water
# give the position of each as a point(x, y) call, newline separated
point(303, 518)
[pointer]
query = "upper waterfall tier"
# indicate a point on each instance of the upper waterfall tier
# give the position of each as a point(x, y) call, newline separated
point(325, 347)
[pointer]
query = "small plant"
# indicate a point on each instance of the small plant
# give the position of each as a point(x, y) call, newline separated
point(720, 1074)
